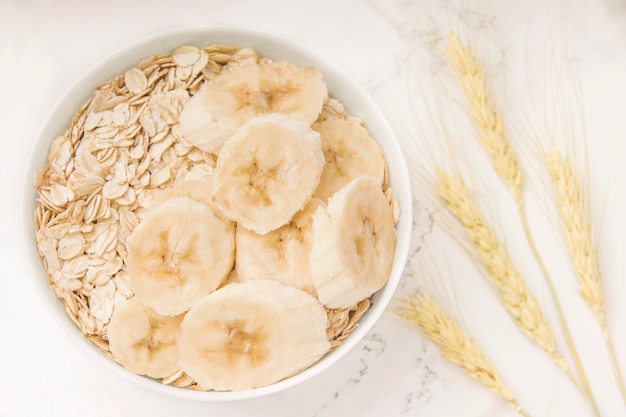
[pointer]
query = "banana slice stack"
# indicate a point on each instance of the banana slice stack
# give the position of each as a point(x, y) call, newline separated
point(233, 274)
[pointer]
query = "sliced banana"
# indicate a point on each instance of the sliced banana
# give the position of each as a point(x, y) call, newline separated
point(143, 341)
point(267, 172)
point(350, 152)
point(354, 241)
point(232, 277)
point(180, 252)
point(241, 92)
point(197, 190)
point(250, 334)
point(282, 254)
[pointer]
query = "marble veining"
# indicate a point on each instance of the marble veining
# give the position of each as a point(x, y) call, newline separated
point(371, 348)
point(418, 398)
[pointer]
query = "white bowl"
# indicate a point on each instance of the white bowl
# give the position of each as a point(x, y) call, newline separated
point(357, 103)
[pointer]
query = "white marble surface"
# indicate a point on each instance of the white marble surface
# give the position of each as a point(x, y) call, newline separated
point(45, 45)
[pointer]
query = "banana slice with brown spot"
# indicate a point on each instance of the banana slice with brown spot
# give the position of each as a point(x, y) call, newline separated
point(282, 254)
point(251, 334)
point(350, 152)
point(143, 341)
point(267, 172)
point(242, 92)
point(179, 253)
point(354, 242)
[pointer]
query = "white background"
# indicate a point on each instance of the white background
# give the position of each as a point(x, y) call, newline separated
point(46, 45)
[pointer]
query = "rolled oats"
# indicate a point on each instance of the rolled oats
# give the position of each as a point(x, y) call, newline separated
point(135, 80)
point(112, 190)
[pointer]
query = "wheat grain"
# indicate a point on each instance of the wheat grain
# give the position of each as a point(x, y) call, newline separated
point(456, 346)
point(492, 135)
point(520, 304)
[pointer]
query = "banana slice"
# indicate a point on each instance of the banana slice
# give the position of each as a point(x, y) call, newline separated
point(197, 190)
point(250, 334)
point(143, 341)
point(179, 253)
point(267, 172)
point(241, 92)
point(354, 241)
point(350, 152)
point(232, 277)
point(282, 254)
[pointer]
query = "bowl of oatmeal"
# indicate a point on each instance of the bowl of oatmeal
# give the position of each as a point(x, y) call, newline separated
point(204, 192)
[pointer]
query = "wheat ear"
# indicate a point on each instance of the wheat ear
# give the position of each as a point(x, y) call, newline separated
point(492, 135)
point(456, 346)
point(519, 303)
point(578, 233)
point(494, 140)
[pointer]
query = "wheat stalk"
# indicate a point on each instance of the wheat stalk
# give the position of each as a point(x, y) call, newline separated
point(578, 231)
point(519, 303)
point(494, 140)
point(456, 346)
point(492, 135)
point(579, 241)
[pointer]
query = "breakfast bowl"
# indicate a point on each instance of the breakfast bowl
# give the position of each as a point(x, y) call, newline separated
point(120, 156)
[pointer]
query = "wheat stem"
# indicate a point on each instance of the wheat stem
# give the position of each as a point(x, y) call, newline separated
point(583, 386)
point(520, 304)
point(492, 135)
point(456, 346)
point(579, 241)
point(613, 360)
